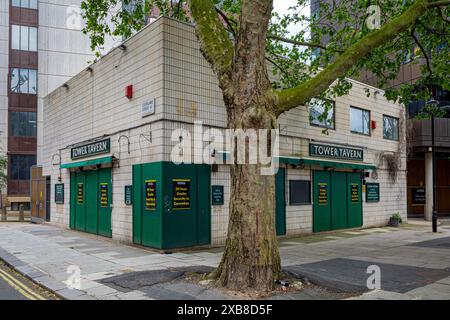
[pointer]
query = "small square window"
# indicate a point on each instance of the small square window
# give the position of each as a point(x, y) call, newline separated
point(299, 192)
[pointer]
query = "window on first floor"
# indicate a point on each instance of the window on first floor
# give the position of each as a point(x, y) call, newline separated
point(29, 4)
point(23, 38)
point(359, 121)
point(21, 166)
point(24, 81)
point(321, 113)
point(390, 128)
point(299, 192)
point(23, 124)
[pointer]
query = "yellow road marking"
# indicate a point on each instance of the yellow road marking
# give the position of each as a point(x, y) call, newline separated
point(20, 287)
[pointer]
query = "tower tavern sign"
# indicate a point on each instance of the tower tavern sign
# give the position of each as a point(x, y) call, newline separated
point(335, 152)
point(91, 149)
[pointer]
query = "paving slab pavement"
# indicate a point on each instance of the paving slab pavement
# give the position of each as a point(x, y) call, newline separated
point(414, 263)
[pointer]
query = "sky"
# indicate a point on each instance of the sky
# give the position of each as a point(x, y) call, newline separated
point(282, 6)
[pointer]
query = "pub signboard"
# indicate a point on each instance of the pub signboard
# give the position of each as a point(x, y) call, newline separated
point(335, 152)
point(91, 149)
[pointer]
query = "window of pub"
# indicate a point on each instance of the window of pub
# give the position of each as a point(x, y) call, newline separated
point(390, 128)
point(299, 192)
point(321, 113)
point(359, 121)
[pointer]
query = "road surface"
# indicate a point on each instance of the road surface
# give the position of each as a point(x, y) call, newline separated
point(13, 286)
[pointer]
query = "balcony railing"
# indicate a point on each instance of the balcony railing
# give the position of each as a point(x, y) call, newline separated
point(420, 133)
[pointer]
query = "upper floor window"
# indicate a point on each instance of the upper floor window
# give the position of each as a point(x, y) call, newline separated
point(23, 124)
point(21, 166)
point(321, 113)
point(29, 4)
point(23, 38)
point(359, 121)
point(390, 128)
point(24, 81)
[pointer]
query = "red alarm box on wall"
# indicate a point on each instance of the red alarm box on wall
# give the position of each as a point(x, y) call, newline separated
point(373, 125)
point(129, 92)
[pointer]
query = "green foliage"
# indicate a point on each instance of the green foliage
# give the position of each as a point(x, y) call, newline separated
point(429, 110)
point(3, 168)
point(316, 44)
point(397, 216)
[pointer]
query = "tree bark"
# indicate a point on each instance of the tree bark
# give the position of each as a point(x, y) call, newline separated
point(251, 259)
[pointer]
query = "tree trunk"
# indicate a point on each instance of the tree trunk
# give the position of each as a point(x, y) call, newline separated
point(251, 259)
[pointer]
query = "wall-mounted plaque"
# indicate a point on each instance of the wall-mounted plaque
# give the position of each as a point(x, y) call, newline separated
point(80, 193)
point(323, 194)
point(419, 197)
point(181, 191)
point(104, 195)
point(217, 194)
point(59, 193)
point(354, 189)
point(128, 195)
point(150, 195)
point(372, 192)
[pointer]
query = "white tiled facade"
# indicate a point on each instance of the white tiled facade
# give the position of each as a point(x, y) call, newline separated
point(163, 62)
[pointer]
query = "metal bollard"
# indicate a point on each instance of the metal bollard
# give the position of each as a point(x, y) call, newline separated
point(21, 214)
point(4, 218)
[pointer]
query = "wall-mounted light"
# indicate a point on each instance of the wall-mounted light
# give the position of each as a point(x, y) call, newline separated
point(90, 69)
point(123, 47)
point(65, 85)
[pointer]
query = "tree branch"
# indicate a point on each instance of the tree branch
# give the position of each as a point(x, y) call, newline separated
point(439, 4)
point(427, 59)
point(297, 96)
point(216, 46)
point(300, 43)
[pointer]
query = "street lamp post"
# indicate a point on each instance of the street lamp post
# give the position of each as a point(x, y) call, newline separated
point(434, 216)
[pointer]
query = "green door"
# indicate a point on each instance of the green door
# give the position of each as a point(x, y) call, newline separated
point(104, 198)
point(280, 202)
point(180, 225)
point(171, 205)
point(87, 213)
point(147, 223)
point(338, 200)
point(91, 202)
point(80, 201)
point(354, 200)
point(322, 202)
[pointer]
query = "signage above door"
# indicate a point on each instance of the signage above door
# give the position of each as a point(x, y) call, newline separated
point(91, 149)
point(335, 152)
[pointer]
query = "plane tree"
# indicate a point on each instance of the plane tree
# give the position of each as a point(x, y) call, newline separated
point(311, 56)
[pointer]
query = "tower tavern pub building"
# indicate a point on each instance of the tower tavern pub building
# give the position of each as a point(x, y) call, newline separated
point(108, 142)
